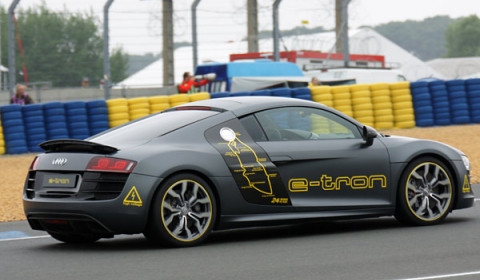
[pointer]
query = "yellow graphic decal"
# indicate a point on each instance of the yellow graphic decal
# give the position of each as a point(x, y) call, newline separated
point(133, 198)
point(59, 181)
point(279, 200)
point(254, 172)
point(328, 183)
point(466, 185)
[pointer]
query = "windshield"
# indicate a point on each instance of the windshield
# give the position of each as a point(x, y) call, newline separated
point(151, 127)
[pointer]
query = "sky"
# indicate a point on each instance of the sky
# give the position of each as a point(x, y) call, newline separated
point(135, 25)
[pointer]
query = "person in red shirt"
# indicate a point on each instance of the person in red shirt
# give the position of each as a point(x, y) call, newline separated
point(189, 84)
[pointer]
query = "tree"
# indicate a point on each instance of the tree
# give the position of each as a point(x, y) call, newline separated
point(62, 47)
point(463, 37)
point(425, 39)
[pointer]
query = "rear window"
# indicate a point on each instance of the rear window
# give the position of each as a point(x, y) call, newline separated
point(152, 127)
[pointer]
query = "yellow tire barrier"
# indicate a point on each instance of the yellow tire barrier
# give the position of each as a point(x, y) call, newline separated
point(402, 105)
point(159, 107)
point(359, 87)
point(401, 98)
point(362, 107)
point(118, 110)
point(407, 111)
point(361, 94)
point(341, 95)
point(363, 100)
point(117, 102)
point(117, 123)
point(404, 118)
point(138, 106)
point(383, 92)
point(178, 103)
point(198, 96)
point(320, 90)
point(399, 85)
point(143, 111)
point(158, 99)
point(342, 102)
point(118, 117)
point(2, 150)
point(379, 86)
point(340, 89)
point(383, 112)
point(400, 92)
point(384, 118)
point(178, 98)
point(363, 114)
point(381, 99)
point(137, 100)
point(407, 124)
point(383, 125)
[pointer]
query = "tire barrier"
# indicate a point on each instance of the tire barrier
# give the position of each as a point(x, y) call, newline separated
point(440, 103)
point(118, 112)
point(472, 87)
point(13, 129)
point(56, 126)
point(2, 141)
point(362, 105)
point(422, 104)
point(383, 106)
point(77, 119)
point(158, 103)
point(34, 122)
point(97, 113)
point(457, 95)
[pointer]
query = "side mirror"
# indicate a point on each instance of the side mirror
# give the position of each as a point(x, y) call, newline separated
point(368, 134)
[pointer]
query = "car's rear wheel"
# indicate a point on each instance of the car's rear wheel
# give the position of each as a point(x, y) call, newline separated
point(74, 238)
point(182, 212)
point(425, 194)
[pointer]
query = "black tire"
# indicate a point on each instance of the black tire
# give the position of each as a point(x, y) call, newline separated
point(425, 194)
point(74, 238)
point(182, 212)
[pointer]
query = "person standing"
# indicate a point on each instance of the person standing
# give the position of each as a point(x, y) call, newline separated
point(21, 97)
point(189, 84)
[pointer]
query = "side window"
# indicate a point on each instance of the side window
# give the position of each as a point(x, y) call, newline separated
point(253, 128)
point(301, 123)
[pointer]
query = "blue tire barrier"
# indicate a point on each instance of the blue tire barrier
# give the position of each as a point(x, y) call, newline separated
point(97, 111)
point(55, 118)
point(421, 97)
point(33, 119)
point(10, 108)
point(99, 125)
point(7, 123)
point(77, 118)
point(282, 92)
point(425, 122)
point(437, 84)
point(461, 120)
point(14, 129)
point(446, 121)
point(71, 105)
point(240, 93)
point(12, 115)
point(420, 84)
point(219, 94)
point(263, 92)
point(301, 92)
point(456, 88)
point(53, 105)
point(303, 96)
point(453, 83)
point(16, 150)
point(9, 137)
point(473, 87)
point(98, 103)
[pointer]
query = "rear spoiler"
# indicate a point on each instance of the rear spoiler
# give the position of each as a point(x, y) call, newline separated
point(78, 146)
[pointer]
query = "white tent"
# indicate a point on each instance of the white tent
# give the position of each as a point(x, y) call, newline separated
point(456, 68)
point(362, 41)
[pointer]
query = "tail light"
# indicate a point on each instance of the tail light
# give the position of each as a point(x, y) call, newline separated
point(111, 165)
point(33, 165)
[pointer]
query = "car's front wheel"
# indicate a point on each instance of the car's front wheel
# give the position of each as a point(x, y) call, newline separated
point(182, 212)
point(425, 194)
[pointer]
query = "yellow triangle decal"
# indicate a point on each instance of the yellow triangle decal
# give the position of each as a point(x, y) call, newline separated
point(133, 198)
point(466, 185)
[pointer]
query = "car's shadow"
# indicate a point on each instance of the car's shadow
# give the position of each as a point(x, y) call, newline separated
point(139, 243)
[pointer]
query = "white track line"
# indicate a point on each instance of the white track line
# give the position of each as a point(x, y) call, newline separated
point(24, 238)
point(443, 276)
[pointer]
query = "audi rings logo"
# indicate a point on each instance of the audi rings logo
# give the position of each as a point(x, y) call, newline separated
point(59, 161)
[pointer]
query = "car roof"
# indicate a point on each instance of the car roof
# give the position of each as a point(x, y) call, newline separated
point(247, 104)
